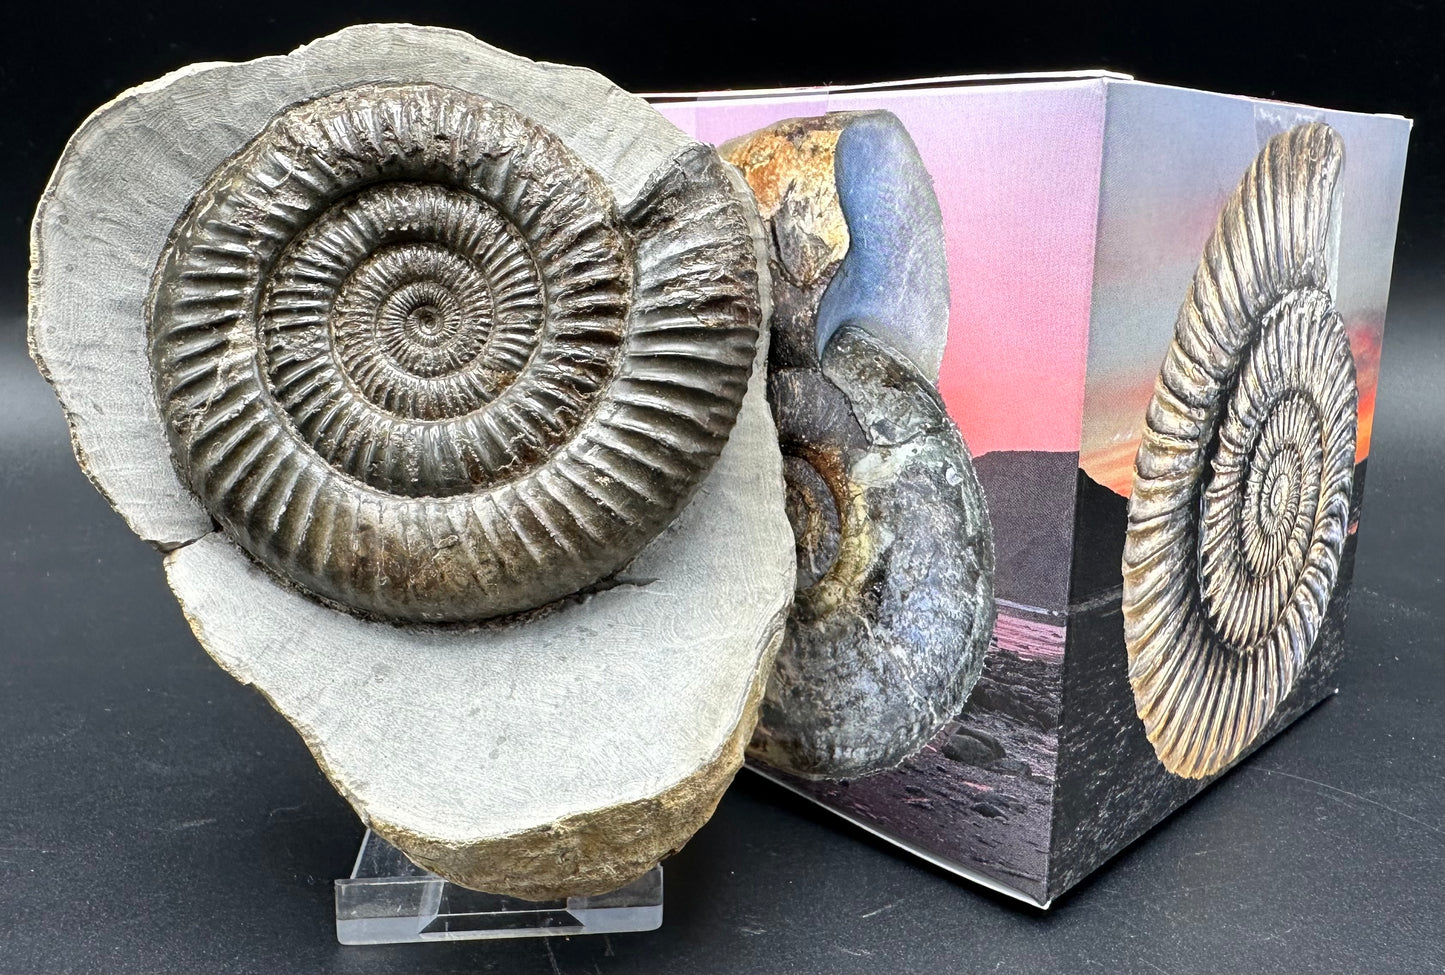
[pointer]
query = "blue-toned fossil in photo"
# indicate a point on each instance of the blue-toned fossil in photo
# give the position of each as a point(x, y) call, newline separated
point(893, 281)
point(894, 605)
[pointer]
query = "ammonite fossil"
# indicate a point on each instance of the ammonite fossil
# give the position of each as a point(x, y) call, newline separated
point(894, 607)
point(412, 356)
point(399, 331)
point(1242, 482)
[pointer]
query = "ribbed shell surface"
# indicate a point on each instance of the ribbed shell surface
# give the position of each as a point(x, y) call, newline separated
point(1242, 483)
point(413, 356)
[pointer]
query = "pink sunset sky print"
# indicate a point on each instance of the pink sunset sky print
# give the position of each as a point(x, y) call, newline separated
point(1016, 171)
point(1173, 159)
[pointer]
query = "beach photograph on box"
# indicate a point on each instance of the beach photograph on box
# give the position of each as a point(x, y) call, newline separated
point(1065, 551)
point(919, 685)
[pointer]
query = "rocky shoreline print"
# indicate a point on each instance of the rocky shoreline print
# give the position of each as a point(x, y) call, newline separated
point(980, 792)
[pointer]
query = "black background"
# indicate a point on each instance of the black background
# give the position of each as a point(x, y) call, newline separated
point(157, 816)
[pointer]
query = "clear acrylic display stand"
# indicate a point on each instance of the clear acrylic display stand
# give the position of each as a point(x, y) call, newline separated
point(390, 900)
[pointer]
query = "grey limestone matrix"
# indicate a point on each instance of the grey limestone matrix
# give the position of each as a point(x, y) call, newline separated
point(436, 374)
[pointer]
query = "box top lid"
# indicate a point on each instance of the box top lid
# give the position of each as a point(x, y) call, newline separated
point(948, 81)
point(1024, 78)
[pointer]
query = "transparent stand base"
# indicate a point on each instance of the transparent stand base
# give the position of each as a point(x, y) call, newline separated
point(390, 900)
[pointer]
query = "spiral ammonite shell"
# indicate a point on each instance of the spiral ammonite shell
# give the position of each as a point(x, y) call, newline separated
point(1241, 494)
point(413, 357)
point(894, 606)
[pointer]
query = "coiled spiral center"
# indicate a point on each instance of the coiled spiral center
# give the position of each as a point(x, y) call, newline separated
point(397, 321)
point(1267, 507)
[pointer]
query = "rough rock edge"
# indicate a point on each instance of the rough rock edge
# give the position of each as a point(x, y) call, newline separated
point(616, 842)
point(622, 842)
point(543, 861)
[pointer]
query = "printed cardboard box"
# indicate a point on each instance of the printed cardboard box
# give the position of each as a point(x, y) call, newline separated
point(1164, 319)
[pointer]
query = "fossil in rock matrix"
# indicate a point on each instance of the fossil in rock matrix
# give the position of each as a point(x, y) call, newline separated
point(399, 331)
point(1241, 493)
point(413, 359)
